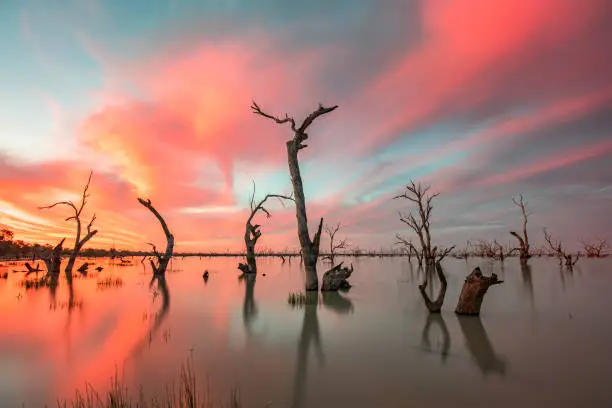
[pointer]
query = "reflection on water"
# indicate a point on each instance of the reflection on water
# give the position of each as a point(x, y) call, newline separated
point(347, 349)
point(160, 290)
point(310, 337)
point(527, 282)
point(436, 319)
point(249, 308)
point(480, 346)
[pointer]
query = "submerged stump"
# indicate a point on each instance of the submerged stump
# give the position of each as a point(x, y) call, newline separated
point(474, 289)
point(336, 278)
point(246, 269)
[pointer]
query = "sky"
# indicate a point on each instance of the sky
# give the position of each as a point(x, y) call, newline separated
point(482, 100)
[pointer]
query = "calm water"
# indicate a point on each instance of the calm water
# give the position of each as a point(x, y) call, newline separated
point(543, 338)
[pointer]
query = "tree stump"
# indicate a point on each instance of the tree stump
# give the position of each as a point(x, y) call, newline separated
point(473, 291)
point(245, 268)
point(336, 278)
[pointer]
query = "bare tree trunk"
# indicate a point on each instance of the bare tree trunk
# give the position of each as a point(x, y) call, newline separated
point(474, 289)
point(434, 306)
point(524, 254)
point(53, 260)
point(162, 260)
point(309, 248)
point(250, 256)
point(252, 232)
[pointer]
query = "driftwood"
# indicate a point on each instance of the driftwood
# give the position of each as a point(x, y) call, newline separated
point(474, 289)
point(162, 259)
point(523, 248)
point(79, 241)
point(436, 305)
point(83, 268)
point(336, 278)
point(310, 247)
point(30, 269)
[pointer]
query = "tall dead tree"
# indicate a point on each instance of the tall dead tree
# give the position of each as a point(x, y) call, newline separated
point(310, 247)
point(421, 224)
point(162, 259)
point(557, 248)
point(78, 240)
point(334, 245)
point(252, 231)
point(523, 248)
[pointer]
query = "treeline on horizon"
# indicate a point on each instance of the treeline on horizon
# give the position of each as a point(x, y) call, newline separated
point(15, 249)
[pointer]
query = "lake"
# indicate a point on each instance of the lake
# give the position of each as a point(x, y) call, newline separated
point(543, 337)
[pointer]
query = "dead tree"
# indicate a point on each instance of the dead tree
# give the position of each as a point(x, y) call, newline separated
point(252, 231)
point(487, 249)
point(162, 259)
point(557, 248)
point(523, 248)
point(421, 224)
point(436, 305)
point(596, 249)
point(334, 246)
point(411, 248)
point(474, 289)
point(78, 240)
point(309, 247)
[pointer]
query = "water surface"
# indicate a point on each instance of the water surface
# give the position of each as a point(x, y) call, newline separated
point(543, 338)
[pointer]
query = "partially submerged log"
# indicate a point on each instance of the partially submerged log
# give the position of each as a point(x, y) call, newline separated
point(336, 278)
point(474, 289)
point(83, 268)
point(30, 269)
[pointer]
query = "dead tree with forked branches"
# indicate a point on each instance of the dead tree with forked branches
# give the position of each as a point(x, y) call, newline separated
point(310, 247)
point(523, 248)
point(252, 231)
point(557, 248)
point(421, 224)
point(162, 259)
point(595, 249)
point(79, 240)
point(334, 246)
